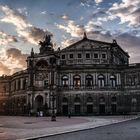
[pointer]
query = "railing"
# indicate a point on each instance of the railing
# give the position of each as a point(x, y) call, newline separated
point(93, 87)
point(132, 87)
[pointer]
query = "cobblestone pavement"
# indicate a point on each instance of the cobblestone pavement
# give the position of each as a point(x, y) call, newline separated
point(129, 130)
point(14, 127)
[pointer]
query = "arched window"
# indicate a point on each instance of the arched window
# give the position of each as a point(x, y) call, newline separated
point(77, 81)
point(134, 101)
point(89, 80)
point(77, 106)
point(101, 81)
point(101, 99)
point(46, 83)
point(112, 81)
point(89, 100)
point(24, 83)
point(65, 100)
point(65, 81)
point(133, 104)
point(113, 99)
point(77, 100)
point(42, 64)
point(65, 106)
point(14, 85)
point(19, 82)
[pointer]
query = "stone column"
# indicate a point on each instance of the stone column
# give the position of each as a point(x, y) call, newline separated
point(16, 84)
point(21, 83)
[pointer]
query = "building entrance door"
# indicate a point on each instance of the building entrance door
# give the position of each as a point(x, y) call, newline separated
point(77, 109)
point(39, 103)
point(65, 109)
point(113, 108)
point(102, 108)
point(89, 109)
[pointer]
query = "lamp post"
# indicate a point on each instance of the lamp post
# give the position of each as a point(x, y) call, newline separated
point(52, 62)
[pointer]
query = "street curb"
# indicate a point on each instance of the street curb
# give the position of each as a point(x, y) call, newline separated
point(78, 129)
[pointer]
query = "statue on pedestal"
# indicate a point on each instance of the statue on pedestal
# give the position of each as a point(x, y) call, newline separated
point(46, 45)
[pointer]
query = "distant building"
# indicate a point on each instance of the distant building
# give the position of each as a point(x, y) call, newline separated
point(88, 77)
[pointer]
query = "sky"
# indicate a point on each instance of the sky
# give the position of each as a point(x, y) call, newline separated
point(23, 23)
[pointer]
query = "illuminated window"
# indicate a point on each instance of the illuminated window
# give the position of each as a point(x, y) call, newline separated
point(77, 81)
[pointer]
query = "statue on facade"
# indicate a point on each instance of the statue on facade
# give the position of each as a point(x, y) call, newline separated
point(47, 42)
point(46, 45)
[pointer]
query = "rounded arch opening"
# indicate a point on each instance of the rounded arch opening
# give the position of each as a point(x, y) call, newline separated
point(42, 64)
point(39, 103)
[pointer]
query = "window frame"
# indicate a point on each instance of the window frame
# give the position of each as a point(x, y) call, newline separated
point(89, 55)
point(78, 55)
point(62, 56)
point(104, 55)
point(65, 80)
point(89, 79)
point(77, 81)
point(71, 54)
point(97, 55)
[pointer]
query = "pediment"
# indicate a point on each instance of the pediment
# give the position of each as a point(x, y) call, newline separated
point(86, 44)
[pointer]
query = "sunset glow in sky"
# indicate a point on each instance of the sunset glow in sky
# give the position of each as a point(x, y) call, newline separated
point(24, 22)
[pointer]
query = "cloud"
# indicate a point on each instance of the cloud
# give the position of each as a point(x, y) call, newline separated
point(127, 11)
point(65, 17)
point(68, 42)
point(16, 55)
point(6, 39)
point(87, 3)
point(23, 11)
point(100, 35)
point(4, 70)
point(72, 28)
point(98, 13)
point(93, 25)
point(130, 43)
point(43, 13)
point(98, 1)
point(77, 30)
point(11, 60)
point(24, 29)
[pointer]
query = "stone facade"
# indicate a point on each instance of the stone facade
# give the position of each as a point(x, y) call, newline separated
point(88, 77)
